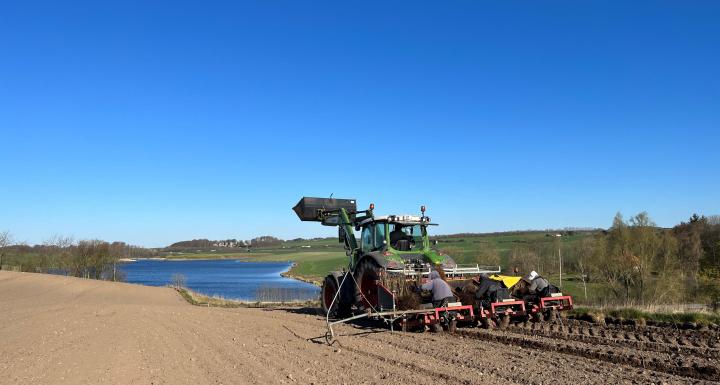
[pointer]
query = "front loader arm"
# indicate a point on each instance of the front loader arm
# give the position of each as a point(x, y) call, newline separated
point(347, 235)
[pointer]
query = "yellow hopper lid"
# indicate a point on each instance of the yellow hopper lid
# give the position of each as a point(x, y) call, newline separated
point(507, 280)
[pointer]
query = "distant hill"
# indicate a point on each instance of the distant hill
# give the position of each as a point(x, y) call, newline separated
point(205, 244)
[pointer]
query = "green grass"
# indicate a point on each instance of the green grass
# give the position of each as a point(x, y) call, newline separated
point(310, 265)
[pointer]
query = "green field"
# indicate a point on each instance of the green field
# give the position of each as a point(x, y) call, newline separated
point(473, 249)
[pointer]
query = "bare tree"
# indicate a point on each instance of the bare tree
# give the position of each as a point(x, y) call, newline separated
point(525, 259)
point(584, 252)
point(5, 241)
point(178, 281)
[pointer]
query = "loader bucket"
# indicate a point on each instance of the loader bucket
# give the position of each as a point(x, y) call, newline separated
point(311, 209)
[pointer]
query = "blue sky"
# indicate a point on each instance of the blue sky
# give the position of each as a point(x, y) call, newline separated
point(152, 122)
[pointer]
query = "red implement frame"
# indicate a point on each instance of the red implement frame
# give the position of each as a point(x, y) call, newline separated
point(433, 315)
point(511, 308)
point(564, 302)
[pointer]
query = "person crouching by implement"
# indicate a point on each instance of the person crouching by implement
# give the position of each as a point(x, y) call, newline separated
point(537, 287)
point(441, 291)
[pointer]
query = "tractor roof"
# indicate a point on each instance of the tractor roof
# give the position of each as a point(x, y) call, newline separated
point(401, 219)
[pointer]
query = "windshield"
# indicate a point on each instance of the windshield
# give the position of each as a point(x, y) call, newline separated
point(406, 237)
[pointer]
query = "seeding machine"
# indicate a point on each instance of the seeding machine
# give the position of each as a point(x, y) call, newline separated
point(393, 258)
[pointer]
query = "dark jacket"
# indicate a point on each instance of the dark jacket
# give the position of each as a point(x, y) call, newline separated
point(490, 291)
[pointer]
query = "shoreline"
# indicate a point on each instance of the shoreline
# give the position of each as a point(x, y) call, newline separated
point(288, 274)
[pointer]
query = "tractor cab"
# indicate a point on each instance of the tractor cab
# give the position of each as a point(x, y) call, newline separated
point(400, 243)
point(395, 234)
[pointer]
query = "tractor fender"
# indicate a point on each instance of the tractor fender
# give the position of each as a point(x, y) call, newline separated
point(376, 256)
point(337, 275)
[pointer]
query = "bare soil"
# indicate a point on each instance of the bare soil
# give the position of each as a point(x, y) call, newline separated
point(59, 330)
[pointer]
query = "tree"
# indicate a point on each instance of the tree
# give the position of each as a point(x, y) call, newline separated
point(617, 266)
point(690, 247)
point(92, 259)
point(585, 250)
point(525, 259)
point(178, 281)
point(5, 241)
point(644, 247)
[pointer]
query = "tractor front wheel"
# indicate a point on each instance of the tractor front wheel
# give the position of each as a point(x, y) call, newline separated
point(328, 293)
point(342, 306)
point(367, 274)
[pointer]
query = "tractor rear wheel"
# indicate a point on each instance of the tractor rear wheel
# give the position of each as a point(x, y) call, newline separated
point(367, 274)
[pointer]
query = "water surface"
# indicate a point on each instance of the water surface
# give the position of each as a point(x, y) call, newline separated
point(228, 278)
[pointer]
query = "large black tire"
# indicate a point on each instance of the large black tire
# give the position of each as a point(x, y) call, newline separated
point(342, 307)
point(327, 294)
point(366, 276)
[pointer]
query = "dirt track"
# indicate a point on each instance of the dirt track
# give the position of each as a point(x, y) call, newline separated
point(57, 330)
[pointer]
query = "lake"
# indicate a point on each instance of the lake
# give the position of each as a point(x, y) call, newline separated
point(228, 278)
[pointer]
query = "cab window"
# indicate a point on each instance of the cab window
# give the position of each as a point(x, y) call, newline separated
point(368, 238)
point(379, 236)
point(410, 235)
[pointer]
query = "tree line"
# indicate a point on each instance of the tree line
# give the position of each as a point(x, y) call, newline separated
point(262, 241)
point(635, 261)
point(95, 259)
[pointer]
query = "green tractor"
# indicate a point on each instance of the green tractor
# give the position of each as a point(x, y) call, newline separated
point(394, 251)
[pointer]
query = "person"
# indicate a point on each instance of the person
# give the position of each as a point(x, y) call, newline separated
point(490, 291)
point(441, 291)
point(396, 235)
point(539, 286)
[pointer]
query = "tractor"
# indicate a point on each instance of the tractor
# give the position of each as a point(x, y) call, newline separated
point(394, 253)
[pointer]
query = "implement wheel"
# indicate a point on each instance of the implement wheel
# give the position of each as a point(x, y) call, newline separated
point(550, 315)
point(487, 323)
point(537, 317)
point(504, 321)
point(452, 326)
